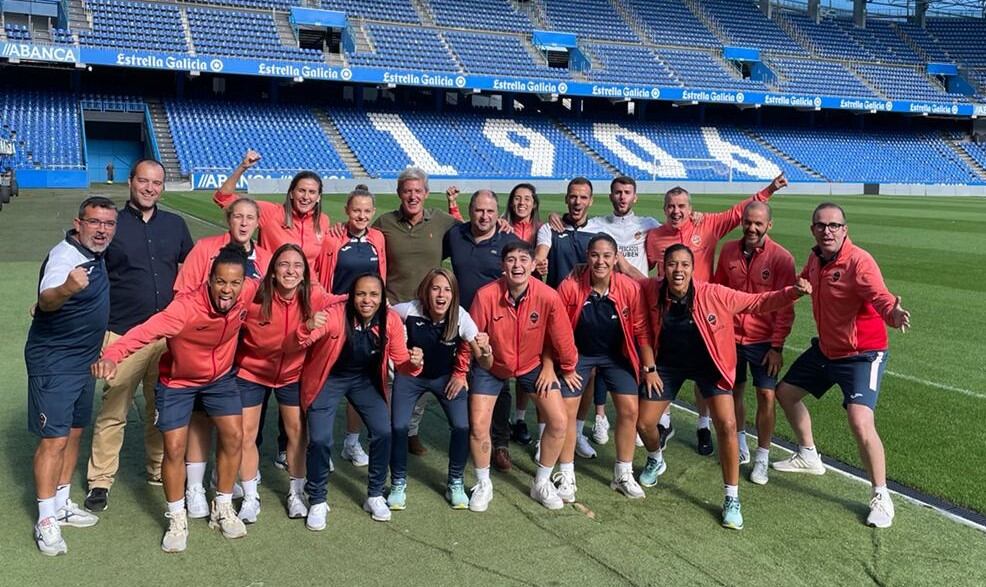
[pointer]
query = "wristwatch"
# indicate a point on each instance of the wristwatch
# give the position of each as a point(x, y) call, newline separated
point(649, 369)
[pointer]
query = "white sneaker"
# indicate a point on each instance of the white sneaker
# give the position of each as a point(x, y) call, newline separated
point(72, 515)
point(565, 485)
point(48, 536)
point(546, 494)
point(628, 486)
point(377, 508)
point(297, 508)
point(281, 460)
point(638, 441)
point(583, 448)
point(250, 509)
point(196, 502)
point(759, 473)
point(881, 511)
point(482, 495)
point(176, 538)
point(355, 454)
point(316, 517)
point(537, 452)
point(224, 517)
point(744, 453)
point(802, 462)
point(600, 430)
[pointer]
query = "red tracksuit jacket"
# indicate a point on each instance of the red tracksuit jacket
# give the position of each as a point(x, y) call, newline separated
point(195, 269)
point(770, 268)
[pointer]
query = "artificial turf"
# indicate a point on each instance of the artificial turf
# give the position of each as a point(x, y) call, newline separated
point(799, 530)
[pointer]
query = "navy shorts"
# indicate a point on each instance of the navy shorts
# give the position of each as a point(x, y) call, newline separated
point(614, 376)
point(56, 403)
point(255, 394)
point(753, 355)
point(173, 405)
point(673, 378)
point(482, 382)
point(859, 376)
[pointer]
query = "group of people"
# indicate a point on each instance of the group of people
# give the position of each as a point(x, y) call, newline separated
point(314, 312)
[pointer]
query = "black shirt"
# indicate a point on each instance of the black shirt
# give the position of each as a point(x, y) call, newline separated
point(142, 262)
point(681, 344)
point(355, 258)
point(474, 264)
point(599, 333)
point(360, 353)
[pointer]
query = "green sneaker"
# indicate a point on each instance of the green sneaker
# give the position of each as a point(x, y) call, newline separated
point(731, 516)
point(652, 470)
point(456, 495)
point(397, 498)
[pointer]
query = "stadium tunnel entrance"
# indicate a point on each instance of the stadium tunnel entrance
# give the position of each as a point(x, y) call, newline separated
point(113, 142)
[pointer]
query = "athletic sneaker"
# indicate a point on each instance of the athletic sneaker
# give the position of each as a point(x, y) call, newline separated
point(583, 448)
point(600, 430)
point(732, 517)
point(97, 500)
point(565, 485)
point(397, 498)
point(196, 502)
point(250, 509)
point(546, 494)
point(704, 446)
point(628, 486)
point(802, 462)
point(224, 518)
point(519, 433)
point(638, 441)
point(353, 452)
point(377, 508)
point(456, 495)
point(652, 470)
point(281, 460)
point(297, 508)
point(759, 473)
point(72, 515)
point(881, 511)
point(316, 517)
point(744, 452)
point(666, 433)
point(482, 495)
point(176, 538)
point(48, 536)
point(155, 480)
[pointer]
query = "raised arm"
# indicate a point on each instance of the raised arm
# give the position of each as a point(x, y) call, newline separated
point(227, 192)
point(723, 222)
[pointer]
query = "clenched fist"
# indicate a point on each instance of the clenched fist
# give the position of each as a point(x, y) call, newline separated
point(417, 356)
point(77, 280)
point(779, 182)
point(318, 320)
point(250, 159)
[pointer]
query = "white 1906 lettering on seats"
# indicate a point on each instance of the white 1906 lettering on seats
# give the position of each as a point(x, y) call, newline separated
point(738, 158)
point(662, 164)
point(393, 125)
point(539, 150)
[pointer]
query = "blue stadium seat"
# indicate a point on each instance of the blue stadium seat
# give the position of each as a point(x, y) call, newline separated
point(498, 55)
point(742, 24)
point(496, 15)
point(589, 18)
point(48, 127)
point(825, 78)
point(224, 32)
point(135, 25)
point(405, 47)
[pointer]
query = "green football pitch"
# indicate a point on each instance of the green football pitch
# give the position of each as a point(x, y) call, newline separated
point(799, 530)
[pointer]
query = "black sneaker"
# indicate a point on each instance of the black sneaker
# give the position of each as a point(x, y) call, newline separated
point(98, 499)
point(519, 433)
point(666, 434)
point(704, 447)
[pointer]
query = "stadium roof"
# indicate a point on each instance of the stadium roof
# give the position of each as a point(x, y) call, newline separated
point(958, 8)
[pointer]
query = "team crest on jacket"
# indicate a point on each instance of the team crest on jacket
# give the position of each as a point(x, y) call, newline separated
point(836, 276)
point(243, 314)
point(765, 274)
point(711, 318)
point(625, 312)
point(637, 235)
point(535, 317)
point(696, 239)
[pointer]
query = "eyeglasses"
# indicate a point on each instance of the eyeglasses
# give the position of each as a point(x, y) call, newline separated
point(821, 226)
point(93, 223)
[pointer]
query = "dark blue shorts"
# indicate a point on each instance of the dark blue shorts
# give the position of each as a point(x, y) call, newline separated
point(673, 378)
point(614, 376)
point(255, 394)
point(482, 382)
point(173, 405)
point(56, 403)
point(753, 355)
point(859, 376)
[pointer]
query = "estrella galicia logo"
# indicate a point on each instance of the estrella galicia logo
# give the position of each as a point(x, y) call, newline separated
point(836, 276)
point(562, 88)
point(655, 93)
point(765, 274)
point(216, 65)
point(712, 320)
point(817, 102)
point(460, 82)
point(740, 97)
point(535, 317)
point(347, 74)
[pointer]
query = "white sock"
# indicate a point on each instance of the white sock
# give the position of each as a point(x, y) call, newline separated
point(704, 422)
point(194, 474)
point(666, 419)
point(61, 495)
point(621, 468)
point(567, 467)
point(224, 497)
point(541, 426)
point(46, 508)
point(543, 474)
point(578, 426)
point(732, 491)
point(880, 490)
point(250, 487)
point(520, 415)
point(176, 506)
point(297, 485)
point(763, 455)
point(808, 450)
point(656, 454)
point(482, 474)
point(352, 438)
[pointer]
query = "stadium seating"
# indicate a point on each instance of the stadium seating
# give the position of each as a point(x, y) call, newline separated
point(212, 135)
point(406, 47)
point(928, 48)
point(881, 39)
point(824, 78)
point(497, 15)
point(62, 36)
point(395, 10)
point(742, 23)
point(905, 83)
point(17, 32)
point(828, 39)
point(135, 25)
point(590, 18)
point(284, 5)
point(48, 127)
point(497, 55)
point(221, 32)
point(670, 22)
point(629, 63)
point(700, 69)
point(977, 151)
point(963, 39)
